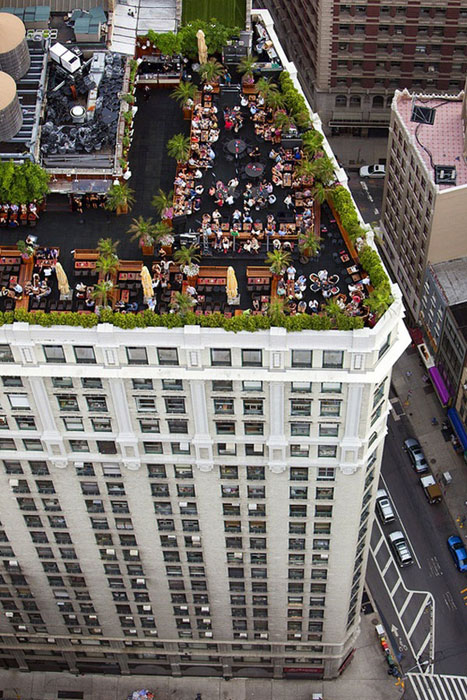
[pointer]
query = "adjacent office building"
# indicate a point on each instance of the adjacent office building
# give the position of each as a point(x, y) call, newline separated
point(352, 56)
point(425, 192)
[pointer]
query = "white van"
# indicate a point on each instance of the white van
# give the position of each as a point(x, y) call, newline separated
point(384, 509)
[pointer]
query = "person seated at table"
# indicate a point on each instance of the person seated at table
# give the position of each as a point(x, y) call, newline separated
point(322, 275)
point(313, 305)
point(17, 289)
point(219, 199)
point(236, 216)
point(247, 219)
point(255, 246)
point(44, 291)
point(192, 292)
point(253, 109)
point(301, 308)
point(238, 123)
point(365, 280)
point(254, 153)
point(229, 200)
point(228, 123)
point(256, 305)
point(247, 245)
point(272, 199)
point(292, 308)
point(80, 290)
point(282, 230)
point(225, 244)
point(276, 244)
point(197, 204)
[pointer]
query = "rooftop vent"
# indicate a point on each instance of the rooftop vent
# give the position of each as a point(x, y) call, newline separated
point(445, 174)
point(423, 115)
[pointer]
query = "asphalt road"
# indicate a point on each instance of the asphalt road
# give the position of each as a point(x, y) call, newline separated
point(427, 527)
point(368, 195)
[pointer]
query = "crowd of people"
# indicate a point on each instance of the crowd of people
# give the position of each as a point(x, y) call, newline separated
point(15, 215)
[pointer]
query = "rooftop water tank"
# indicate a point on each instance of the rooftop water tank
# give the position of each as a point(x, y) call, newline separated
point(11, 116)
point(14, 52)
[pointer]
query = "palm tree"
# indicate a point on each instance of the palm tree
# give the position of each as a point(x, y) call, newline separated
point(265, 87)
point(184, 92)
point(275, 100)
point(178, 147)
point(283, 121)
point(188, 259)
point(142, 230)
point(379, 299)
point(211, 71)
point(323, 169)
point(182, 303)
point(107, 266)
point(312, 143)
point(276, 308)
point(332, 309)
point(320, 192)
point(120, 198)
point(163, 233)
point(308, 243)
point(163, 203)
point(278, 261)
point(101, 291)
point(247, 66)
point(107, 247)
point(305, 169)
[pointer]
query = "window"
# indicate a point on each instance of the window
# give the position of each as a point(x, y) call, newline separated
point(39, 468)
point(252, 385)
point(297, 429)
point(300, 407)
point(175, 405)
point(228, 472)
point(149, 425)
point(84, 354)
point(183, 471)
point(97, 403)
point(299, 492)
point(33, 445)
point(18, 401)
point(5, 354)
point(54, 353)
point(299, 474)
point(327, 450)
point(223, 406)
point(330, 407)
point(79, 446)
point(145, 404)
point(221, 357)
point(25, 422)
point(324, 493)
point(101, 425)
point(167, 356)
point(253, 407)
point(143, 384)
point(253, 428)
point(328, 429)
point(331, 387)
point(62, 382)
point(252, 358)
point(178, 426)
point(255, 473)
point(226, 448)
point(67, 402)
point(12, 381)
point(180, 448)
point(3, 423)
point(300, 387)
point(302, 358)
point(333, 358)
point(225, 427)
point(152, 448)
point(137, 356)
point(111, 470)
point(7, 444)
point(222, 385)
point(299, 450)
point(385, 347)
point(171, 384)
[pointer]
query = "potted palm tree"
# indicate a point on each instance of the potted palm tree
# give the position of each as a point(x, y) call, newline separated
point(246, 67)
point(182, 303)
point(278, 261)
point(27, 251)
point(107, 247)
point(308, 245)
point(185, 94)
point(120, 198)
point(211, 71)
point(178, 147)
point(379, 299)
point(143, 231)
point(323, 170)
point(163, 204)
point(333, 310)
point(101, 292)
point(163, 235)
point(188, 259)
point(320, 192)
point(107, 266)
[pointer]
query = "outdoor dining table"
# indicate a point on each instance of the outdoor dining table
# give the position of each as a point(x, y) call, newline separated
point(236, 146)
point(254, 170)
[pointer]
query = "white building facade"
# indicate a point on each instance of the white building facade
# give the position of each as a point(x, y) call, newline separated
point(188, 501)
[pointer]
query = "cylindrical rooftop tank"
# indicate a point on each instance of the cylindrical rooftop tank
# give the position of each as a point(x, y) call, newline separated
point(11, 116)
point(14, 52)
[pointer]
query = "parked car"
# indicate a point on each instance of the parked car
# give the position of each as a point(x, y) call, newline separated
point(431, 489)
point(416, 455)
point(458, 552)
point(372, 171)
point(400, 548)
point(384, 508)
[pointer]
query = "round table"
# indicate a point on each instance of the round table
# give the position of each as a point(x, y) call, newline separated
point(254, 170)
point(236, 147)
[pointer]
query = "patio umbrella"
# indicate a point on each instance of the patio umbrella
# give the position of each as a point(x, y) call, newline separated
point(146, 283)
point(202, 48)
point(232, 286)
point(62, 279)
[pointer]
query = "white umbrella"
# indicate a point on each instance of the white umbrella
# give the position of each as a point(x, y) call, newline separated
point(62, 279)
point(202, 48)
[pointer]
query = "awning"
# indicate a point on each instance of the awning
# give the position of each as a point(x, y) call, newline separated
point(440, 386)
point(458, 427)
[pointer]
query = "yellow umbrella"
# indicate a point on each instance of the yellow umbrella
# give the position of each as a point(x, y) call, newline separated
point(232, 285)
point(62, 279)
point(202, 48)
point(146, 282)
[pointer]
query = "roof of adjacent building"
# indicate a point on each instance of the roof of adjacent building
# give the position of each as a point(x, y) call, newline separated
point(451, 276)
point(440, 143)
point(12, 32)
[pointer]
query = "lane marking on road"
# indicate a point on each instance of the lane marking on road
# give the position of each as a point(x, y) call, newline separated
point(401, 523)
point(396, 586)
point(418, 615)
point(376, 211)
point(405, 603)
point(378, 545)
point(424, 644)
point(449, 600)
point(386, 567)
point(435, 567)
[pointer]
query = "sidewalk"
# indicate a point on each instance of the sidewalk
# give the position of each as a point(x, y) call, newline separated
point(420, 403)
point(366, 679)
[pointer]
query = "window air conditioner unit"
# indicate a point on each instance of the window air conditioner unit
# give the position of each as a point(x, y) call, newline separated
point(13, 563)
point(172, 537)
point(263, 635)
point(238, 555)
point(147, 608)
point(252, 506)
point(229, 446)
point(183, 504)
point(51, 640)
point(185, 619)
point(325, 556)
point(110, 552)
point(208, 634)
point(206, 620)
point(14, 482)
point(8, 614)
point(132, 631)
point(79, 465)
point(153, 632)
point(72, 617)
point(22, 628)
point(298, 636)
point(243, 635)
point(184, 446)
point(140, 580)
point(183, 607)
point(195, 538)
point(258, 449)
point(128, 617)
point(205, 608)
point(134, 552)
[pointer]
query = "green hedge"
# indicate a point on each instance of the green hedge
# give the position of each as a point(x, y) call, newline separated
point(148, 319)
point(344, 206)
point(294, 101)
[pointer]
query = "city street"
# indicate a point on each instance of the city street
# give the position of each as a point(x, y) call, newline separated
point(368, 195)
point(438, 604)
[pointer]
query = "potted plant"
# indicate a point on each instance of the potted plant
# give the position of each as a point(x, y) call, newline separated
point(278, 261)
point(107, 247)
point(163, 236)
point(379, 299)
point(182, 303)
point(120, 198)
point(163, 204)
point(178, 147)
point(283, 121)
point(211, 71)
point(187, 258)
point(308, 245)
point(27, 251)
point(107, 266)
point(143, 230)
point(185, 94)
point(246, 67)
point(323, 169)
point(101, 292)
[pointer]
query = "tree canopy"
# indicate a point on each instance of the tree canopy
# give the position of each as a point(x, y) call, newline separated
point(21, 184)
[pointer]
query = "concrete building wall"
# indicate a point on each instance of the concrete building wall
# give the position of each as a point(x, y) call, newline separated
point(447, 239)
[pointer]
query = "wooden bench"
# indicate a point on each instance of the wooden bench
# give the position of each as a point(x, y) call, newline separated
point(256, 271)
point(215, 271)
point(86, 254)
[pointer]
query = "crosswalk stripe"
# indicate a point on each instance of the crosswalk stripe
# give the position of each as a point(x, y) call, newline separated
point(438, 687)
